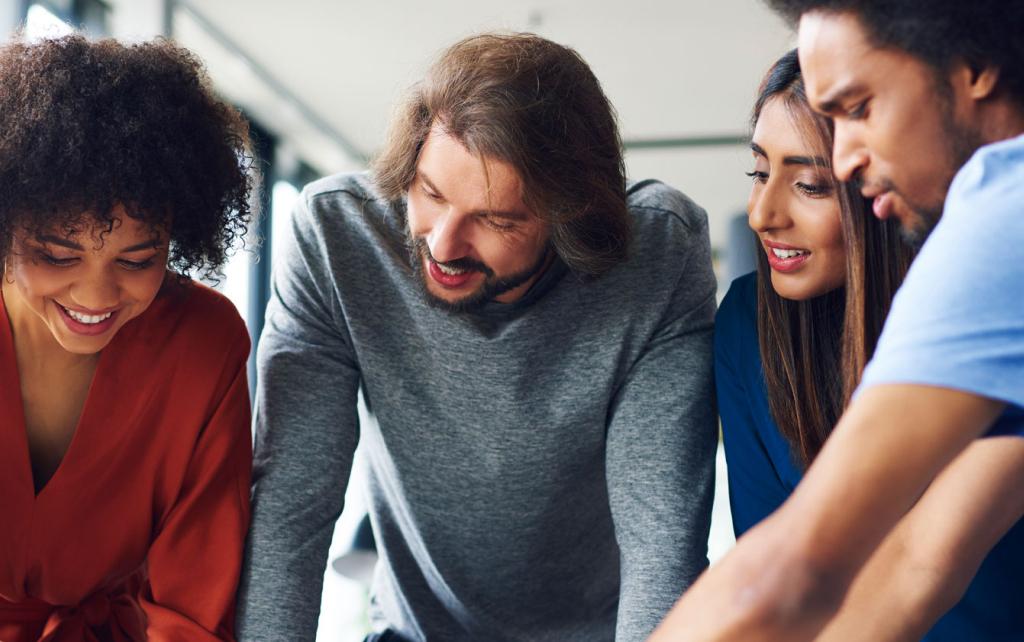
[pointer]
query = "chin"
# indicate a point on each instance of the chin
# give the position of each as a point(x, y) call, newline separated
point(796, 288)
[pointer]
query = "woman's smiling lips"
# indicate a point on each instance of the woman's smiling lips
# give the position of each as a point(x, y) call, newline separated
point(87, 322)
point(785, 258)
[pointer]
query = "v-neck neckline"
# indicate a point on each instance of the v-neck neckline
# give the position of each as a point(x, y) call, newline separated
point(20, 448)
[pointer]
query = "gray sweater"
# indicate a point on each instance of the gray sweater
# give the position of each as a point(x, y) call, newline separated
point(539, 471)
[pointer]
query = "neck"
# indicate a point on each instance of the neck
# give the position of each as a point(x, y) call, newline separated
point(1003, 119)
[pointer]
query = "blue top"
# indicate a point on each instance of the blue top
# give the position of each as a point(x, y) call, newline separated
point(763, 472)
point(958, 320)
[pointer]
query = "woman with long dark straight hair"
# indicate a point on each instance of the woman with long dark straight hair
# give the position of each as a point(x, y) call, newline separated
point(791, 343)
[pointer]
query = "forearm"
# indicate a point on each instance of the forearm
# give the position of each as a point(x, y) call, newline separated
point(896, 598)
point(786, 578)
point(927, 564)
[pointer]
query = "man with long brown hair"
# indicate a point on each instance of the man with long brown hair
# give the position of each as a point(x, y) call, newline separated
point(533, 336)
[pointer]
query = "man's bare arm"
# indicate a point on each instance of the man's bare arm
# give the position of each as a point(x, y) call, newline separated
point(788, 576)
point(925, 565)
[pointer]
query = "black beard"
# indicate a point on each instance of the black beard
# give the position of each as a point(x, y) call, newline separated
point(491, 289)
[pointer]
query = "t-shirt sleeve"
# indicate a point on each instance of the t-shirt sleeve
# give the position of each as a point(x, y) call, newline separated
point(958, 320)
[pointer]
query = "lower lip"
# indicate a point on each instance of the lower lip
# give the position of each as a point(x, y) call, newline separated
point(451, 281)
point(787, 265)
point(87, 329)
point(882, 205)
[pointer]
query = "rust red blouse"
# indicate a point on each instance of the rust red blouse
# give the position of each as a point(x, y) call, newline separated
point(139, 534)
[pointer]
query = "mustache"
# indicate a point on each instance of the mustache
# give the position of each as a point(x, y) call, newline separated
point(420, 248)
point(858, 183)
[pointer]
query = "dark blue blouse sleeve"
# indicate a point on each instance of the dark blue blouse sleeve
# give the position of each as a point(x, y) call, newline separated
point(755, 488)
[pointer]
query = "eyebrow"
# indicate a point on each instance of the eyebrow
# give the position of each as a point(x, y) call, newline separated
point(505, 214)
point(71, 245)
point(831, 103)
point(815, 161)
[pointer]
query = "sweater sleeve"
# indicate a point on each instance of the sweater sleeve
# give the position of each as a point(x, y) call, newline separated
point(661, 446)
point(755, 489)
point(306, 429)
point(194, 560)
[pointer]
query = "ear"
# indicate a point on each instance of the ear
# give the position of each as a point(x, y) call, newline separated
point(982, 81)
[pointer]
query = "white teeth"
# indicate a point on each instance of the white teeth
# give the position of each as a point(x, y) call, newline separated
point(449, 270)
point(787, 254)
point(89, 319)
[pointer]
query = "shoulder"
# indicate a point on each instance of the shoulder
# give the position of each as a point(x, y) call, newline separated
point(347, 210)
point(670, 231)
point(993, 175)
point(653, 200)
point(205, 322)
point(348, 195)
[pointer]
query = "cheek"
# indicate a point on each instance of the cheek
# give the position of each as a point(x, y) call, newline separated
point(39, 280)
point(833, 251)
point(143, 288)
point(418, 215)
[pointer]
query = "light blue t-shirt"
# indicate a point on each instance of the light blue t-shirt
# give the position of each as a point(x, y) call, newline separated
point(958, 320)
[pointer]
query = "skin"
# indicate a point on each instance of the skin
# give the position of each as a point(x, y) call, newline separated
point(904, 156)
point(793, 203)
point(122, 274)
point(465, 211)
point(786, 579)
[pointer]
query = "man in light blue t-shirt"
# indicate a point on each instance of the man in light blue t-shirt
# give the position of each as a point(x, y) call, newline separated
point(927, 100)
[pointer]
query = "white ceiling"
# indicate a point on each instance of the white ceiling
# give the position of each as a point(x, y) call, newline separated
point(672, 69)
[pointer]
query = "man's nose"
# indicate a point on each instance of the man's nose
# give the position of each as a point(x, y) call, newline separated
point(448, 240)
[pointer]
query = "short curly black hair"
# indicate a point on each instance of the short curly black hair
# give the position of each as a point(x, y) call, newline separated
point(938, 32)
point(90, 125)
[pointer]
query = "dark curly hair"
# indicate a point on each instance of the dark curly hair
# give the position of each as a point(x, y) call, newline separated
point(938, 32)
point(88, 126)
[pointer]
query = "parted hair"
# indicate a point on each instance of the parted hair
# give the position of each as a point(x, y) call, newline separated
point(938, 32)
point(814, 352)
point(537, 106)
point(89, 125)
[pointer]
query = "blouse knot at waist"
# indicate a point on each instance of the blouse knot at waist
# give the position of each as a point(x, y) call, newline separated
point(102, 617)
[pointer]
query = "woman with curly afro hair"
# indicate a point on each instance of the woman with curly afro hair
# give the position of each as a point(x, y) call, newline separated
point(125, 450)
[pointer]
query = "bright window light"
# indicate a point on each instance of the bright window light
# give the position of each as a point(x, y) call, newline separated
point(41, 23)
point(284, 197)
point(235, 284)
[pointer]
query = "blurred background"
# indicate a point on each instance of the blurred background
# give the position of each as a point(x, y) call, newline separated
point(318, 78)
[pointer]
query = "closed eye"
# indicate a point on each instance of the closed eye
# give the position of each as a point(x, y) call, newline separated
point(859, 111)
point(135, 265)
point(432, 195)
point(496, 224)
point(59, 262)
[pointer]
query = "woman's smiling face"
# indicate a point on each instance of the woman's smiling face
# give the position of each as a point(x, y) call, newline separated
point(793, 206)
point(85, 286)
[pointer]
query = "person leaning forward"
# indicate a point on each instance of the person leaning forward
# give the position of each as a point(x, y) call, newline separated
point(534, 339)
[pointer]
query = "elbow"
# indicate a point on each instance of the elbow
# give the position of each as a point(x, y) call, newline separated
point(934, 585)
point(795, 595)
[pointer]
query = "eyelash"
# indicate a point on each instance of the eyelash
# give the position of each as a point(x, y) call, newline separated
point(499, 227)
point(132, 266)
point(820, 190)
point(858, 112)
point(815, 191)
